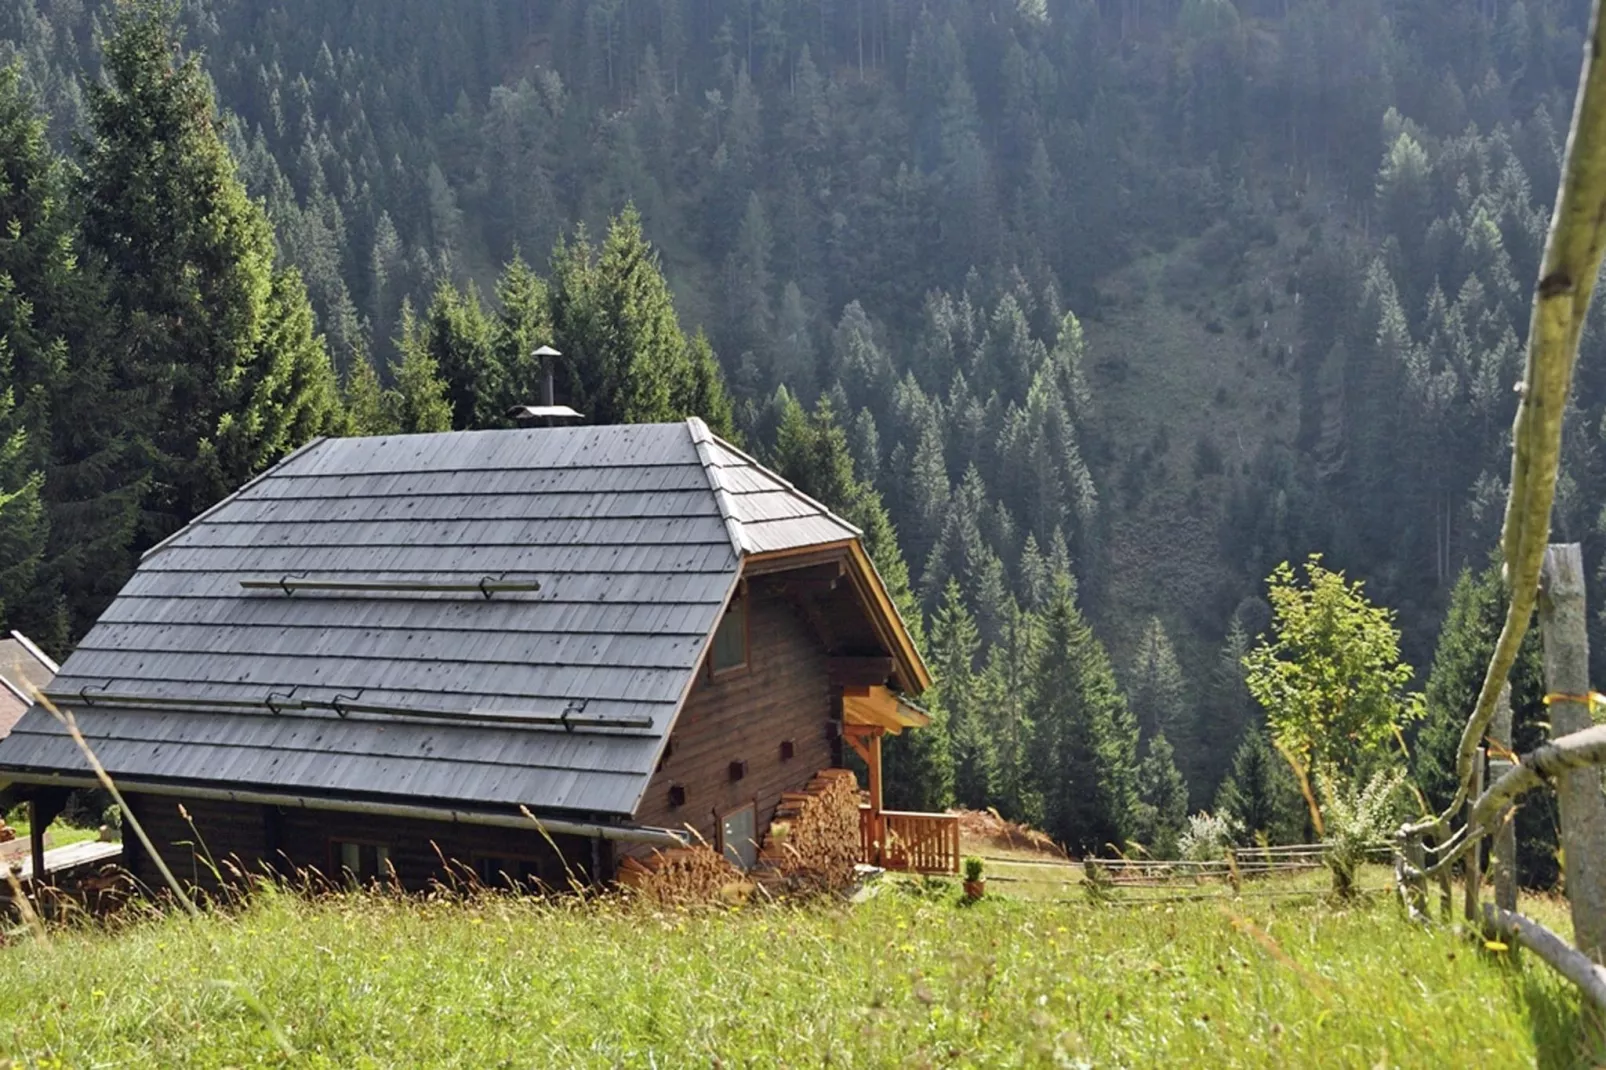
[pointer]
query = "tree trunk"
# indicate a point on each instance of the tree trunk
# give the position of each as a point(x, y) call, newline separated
point(1583, 809)
point(1504, 868)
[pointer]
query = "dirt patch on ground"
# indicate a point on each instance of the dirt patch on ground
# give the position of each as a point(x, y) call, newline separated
point(984, 831)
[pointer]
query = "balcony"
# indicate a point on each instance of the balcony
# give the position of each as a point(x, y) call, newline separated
point(909, 842)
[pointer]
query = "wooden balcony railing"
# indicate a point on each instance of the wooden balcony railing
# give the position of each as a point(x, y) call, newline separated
point(911, 842)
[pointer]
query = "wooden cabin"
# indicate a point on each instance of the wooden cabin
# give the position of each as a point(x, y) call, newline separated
point(386, 654)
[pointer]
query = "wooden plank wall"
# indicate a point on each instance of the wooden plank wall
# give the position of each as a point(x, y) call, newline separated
point(245, 832)
point(784, 694)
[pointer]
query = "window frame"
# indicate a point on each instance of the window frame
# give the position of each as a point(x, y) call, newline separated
point(384, 861)
point(503, 879)
point(720, 817)
point(739, 601)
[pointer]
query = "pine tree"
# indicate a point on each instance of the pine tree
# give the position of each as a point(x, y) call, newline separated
point(1227, 710)
point(460, 338)
point(625, 358)
point(1006, 694)
point(370, 408)
point(1471, 625)
point(1084, 746)
point(22, 517)
point(1159, 694)
point(419, 402)
point(1162, 809)
point(523, 325)
point(217, 340)
point(1260, 793)
point(954, 645)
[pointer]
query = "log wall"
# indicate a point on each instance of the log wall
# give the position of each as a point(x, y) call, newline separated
point(784, 693)
point(294, 838)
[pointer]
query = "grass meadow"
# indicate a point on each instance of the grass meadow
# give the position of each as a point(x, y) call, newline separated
point(910, 976)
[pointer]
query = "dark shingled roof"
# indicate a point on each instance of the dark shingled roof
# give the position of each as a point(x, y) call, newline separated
point(634, 533)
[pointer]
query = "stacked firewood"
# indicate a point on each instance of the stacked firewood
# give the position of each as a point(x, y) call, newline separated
point(685, 876)
point(813, 842)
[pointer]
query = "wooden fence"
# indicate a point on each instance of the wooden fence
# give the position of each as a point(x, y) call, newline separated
point(1152, 880)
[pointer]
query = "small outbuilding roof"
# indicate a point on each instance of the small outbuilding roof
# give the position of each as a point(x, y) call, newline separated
point(469, 618)
point(25, 670)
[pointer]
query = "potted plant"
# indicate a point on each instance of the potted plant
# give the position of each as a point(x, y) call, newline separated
point(975, 884)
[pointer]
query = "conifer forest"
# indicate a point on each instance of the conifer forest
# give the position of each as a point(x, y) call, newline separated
point(1090, 313)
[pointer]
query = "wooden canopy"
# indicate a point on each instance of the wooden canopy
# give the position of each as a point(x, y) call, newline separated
point(881, 707)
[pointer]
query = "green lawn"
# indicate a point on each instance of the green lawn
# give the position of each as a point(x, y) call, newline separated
point(57, 835)
point(901, 979)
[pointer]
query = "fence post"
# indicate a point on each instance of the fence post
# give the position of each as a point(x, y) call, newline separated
point(1583, 809)
point(1474, 857)
point(1504, 869)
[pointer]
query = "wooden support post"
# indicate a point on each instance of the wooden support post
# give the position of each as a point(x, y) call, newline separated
point(1417, 890)
point(878, 823)
point(1446, 897)
point(1583, 809)
point(1504, 869)
point(1474, 863)
point(36, 839)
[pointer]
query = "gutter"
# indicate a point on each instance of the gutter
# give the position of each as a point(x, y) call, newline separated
point(657, 837)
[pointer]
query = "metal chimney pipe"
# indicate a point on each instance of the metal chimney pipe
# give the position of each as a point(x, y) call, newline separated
point(549, 357)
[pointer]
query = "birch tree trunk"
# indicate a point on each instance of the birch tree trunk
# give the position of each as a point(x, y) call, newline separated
point(1583, 809)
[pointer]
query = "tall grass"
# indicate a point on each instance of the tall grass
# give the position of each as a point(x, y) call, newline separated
point(907, 978)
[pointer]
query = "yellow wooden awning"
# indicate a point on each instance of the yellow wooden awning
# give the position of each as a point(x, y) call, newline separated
point(881, 707)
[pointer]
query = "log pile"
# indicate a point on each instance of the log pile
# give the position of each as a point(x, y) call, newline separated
point(813, 843)
point(685, 876)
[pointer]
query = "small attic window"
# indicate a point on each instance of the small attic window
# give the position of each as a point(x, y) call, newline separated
point(730, 639)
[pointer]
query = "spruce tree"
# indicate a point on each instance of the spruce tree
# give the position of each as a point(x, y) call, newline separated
point(1260, 793)
point(419, 402)
point(1005, 692)
point(67, 398)
point(1162, 808)
point(1159, 694)
point(523, 325)
point(460, 338)
point(216, 340)
point(625, 358)
point(1084, 744)
point(370, 408)
point(1466, 641)
point(1226, 712)
point(954, 644)
point(22, 517)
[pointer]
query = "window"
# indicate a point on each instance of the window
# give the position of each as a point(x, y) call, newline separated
point(361, 862)
point(738, 839)
point(523, 873)
point(730, 640)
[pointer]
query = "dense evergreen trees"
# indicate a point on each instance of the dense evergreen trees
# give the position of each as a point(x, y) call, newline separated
point(220, 341)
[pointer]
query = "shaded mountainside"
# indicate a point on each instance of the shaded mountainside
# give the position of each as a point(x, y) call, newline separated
point(1149, 297)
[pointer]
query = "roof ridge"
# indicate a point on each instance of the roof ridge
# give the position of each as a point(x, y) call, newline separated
point(33, 649)
point(305, 447)
point(702, 439)
point(771, 473)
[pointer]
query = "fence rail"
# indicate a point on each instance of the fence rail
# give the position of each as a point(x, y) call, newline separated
point(1244, 863)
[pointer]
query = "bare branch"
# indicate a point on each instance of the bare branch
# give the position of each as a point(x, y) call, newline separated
point(1566, 960)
